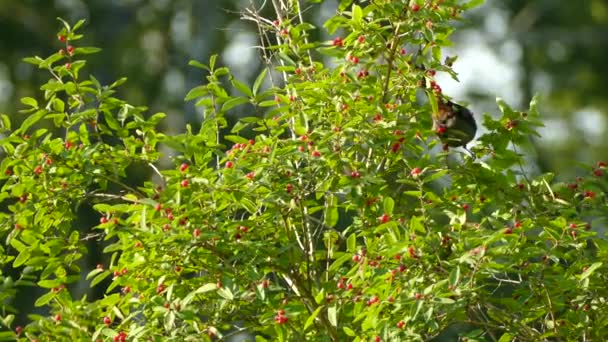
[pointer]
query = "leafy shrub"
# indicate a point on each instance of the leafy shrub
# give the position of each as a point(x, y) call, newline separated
point(332, 216)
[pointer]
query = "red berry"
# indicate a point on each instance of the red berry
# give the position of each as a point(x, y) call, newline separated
point(385, 218)
point(508, 231)
point(158, 207)
point(415, 8)
point(103, 220)
point(38, 170)
point(415, 172)
point(196, 233)
point(573, 225)
point(465, 206)
point(316, 153)
point(107, 320)
point(337, 42)
point(183, 167)
point(289, 188)
point(419, 296)
point(250, 175)
point(229, 165)
point(361, 39)
point(160, 289)
point(61, 38)
point(598, 173)
point(18, 329)
point(517, 224)
point(377, 338)
point(356, 258)
point(355, 174)
point(441, 130)
point(400, 324)
point(70, 50)
point(396, 146)
point(185, 183)
point(412, 252)
point(58, 317)
point(280, 319)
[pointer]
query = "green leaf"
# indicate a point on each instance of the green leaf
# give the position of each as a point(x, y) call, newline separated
point(198, 64)
point(344, 5)
point(436, 175)
point(23, 256)
point(242, 87)
point(33, 60)
point(86, 50)
point(505, 109)
point(45, 299)
point(259, 80)
point(455, 276)
point(65, 24)
point(312, 317)
point(212, 60)
point(331, 215)
point(29, 101)
point(233, 102)
point(341, 260)
point(389, 205)
point(332, 315)
point(219, 72)
point(100, 277)
point(506, 337)
point(78, 24)
point(473, 4)
point(349, 332)
point(196, 92)
point(590, 270)
point(31, 120)
point(357, 14)
point(58, 105)
point(351, 242)
point(225, 293)
point(5, 122)
point(433, 102)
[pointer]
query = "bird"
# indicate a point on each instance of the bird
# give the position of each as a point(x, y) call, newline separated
point(454, 124)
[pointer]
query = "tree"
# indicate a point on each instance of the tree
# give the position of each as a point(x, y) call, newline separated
point(331, 217)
